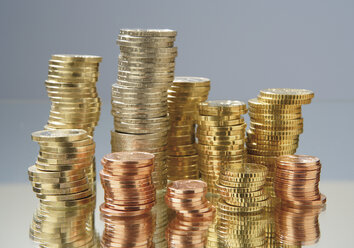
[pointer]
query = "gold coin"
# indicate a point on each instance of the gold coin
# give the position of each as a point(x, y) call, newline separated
point(76, 58)
point(149, 32)
point(63, 135)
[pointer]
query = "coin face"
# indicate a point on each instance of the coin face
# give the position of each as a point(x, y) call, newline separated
point(76, 57)
point(224, 103)
point(129, 157)
point(148, 32)
point(299, 159)
point(195, 185)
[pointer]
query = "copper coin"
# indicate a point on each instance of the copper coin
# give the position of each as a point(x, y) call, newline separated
point(187, 187)
point(110, 212)
point(129, 159)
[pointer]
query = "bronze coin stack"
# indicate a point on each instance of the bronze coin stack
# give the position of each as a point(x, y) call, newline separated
point(127, 183)
point(194, 213)
point(296, 180)
point(276, 123)
point(183, 98)
point(128, 231)
point(296, 226)
point(139, 97)
point(71, 87)
point(221, 137)
point(61, 179)
point(160, 211)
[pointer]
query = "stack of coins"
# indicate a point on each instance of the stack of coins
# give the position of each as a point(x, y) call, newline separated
point(194, 213)
point(212, 236)
point(241, 188)
point(183, 98)
point(139, 97)
point(296, 180)
point(240, 230)
point(188, 199)
point(62, 179)
point(127, 183)
point(128, 231)
point(71, 87)
point(276, 123)
point(161, 212)
point(296, 225)
point(220, 133)
point(64, 169)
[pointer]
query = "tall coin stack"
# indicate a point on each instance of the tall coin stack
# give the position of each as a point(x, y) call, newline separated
point(127, 183)
point(128, 231)
point(296, 180)
point(62, 180)
point(139, 97)
point(221, 135)
point(276, 123)
point(71, 87)
point(194, 213)
point(241, 221)
point(183, 98)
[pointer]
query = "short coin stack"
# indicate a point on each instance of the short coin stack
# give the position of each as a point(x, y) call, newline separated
point(241, 188)
point(194, 213)
point(139, 98)
point(276, 123)
point(296, 180)
point(62, 180)
point(71, 87)
point(221, 135)
point(188, 199)
point(127, 183)
point(128, 231)
point(183, 98)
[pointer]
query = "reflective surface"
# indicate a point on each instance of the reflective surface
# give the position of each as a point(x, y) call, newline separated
point(331, 227)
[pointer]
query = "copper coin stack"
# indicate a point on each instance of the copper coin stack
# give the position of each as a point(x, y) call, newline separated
point(61, 179)
point(183, 98)
point(276, 123)
point(296, 225)
point(139, 97)
point(296, 180)
point(161, 215)
point(241, 188)
point(221, 137)
point(71, 87)
point(127, 183)
point(194, 213)
point(128, 231)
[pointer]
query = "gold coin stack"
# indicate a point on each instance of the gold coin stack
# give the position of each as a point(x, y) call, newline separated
point(212, 236)
point(221, 135)
point(183, 98)
point(62, 180)
point(139, 97)
point(161, 212)
point(241, 221)
point(71, 87)
point(276, 123)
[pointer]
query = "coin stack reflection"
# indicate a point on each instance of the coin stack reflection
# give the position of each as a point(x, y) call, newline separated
point(61, 182)
point(183, 98)
point(241, 221)
point(71, 87)
point(139, 97)
point(126, 180)
point(128, 231)
point(194, 213)
point(220, 133)
point(276, 123)
point(296, 225)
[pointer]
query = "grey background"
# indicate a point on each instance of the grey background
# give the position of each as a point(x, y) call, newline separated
point(242, 46)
